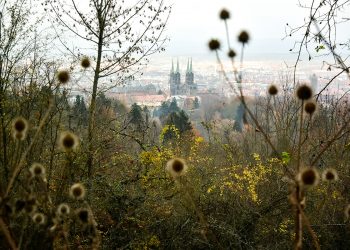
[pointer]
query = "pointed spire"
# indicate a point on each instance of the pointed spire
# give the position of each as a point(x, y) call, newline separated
point(172, 66)
point(177, 66)
point(188, 66)
point(191, 66)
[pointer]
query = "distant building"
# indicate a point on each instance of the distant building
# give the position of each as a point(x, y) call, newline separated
point(141, 99)
point(314, 83)
point(176, 87)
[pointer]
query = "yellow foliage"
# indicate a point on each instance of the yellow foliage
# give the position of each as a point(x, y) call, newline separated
point(168, 128)
point(244, 180)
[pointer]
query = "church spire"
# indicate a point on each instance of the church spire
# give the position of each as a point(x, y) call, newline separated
point(188, 66)
point(172, 66)
point(190, 69)
point(177, 66)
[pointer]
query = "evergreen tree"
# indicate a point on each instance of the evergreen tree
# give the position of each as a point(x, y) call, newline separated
point(79, 110)
point(238, 126)
point(76, 105)
point(196, 103)
point(135, 116)
point(103, 101)
point(181, 121)
point(173, 106)
point(163, 110)
point(146, 113)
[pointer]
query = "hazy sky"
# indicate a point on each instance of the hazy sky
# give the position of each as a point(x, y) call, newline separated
point(194, 22)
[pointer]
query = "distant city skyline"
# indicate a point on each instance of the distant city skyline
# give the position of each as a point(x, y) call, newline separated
point(192, 23)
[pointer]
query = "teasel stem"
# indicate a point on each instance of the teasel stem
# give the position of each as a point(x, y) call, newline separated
point(184, 186)
point(227, 35)
point(26, 152)
point(7, 234)
point(298, 218)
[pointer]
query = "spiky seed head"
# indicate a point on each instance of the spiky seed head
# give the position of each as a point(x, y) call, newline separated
point(30, 208)
point(347, 212)
point(176, 167)
point(85, 62)
point(20, 125)
point(19, 136)
point(8, 209)
point(308, 177)
point(68, 141)
point(77, 191)
point(243, 37)
point(31, 200)
point(310, 107)
point(231, 53)
point(63, 76)
point(214, 44)
point(224, 14)
point(273, 90)
point(19, 128)
point(330, 174)
point(304, 92)
point(19, 205)
point(83, 215)
point(39, 218)
point(63, 209)
point(37, 170)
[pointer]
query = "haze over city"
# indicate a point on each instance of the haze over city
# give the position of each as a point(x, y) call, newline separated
point(174, 124)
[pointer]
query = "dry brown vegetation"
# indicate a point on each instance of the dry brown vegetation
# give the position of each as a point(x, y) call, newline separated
point(104, 176)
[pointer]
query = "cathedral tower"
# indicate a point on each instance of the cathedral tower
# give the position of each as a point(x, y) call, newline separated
point(188, 87)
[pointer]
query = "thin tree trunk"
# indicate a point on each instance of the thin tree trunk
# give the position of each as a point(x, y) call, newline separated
point(92, 108)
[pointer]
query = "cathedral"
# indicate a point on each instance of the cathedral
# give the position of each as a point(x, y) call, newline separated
point(176, 87)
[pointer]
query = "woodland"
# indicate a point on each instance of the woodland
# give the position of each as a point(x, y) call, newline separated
point(94, 173)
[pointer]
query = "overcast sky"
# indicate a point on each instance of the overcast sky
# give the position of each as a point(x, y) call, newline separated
point(194, 22)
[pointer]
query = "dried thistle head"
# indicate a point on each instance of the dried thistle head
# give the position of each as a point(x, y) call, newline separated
point(7, 209)
point(19, 205)
point(39, 218)
point(85, 62)
point(63, 209)
point(68, 141)
point(83, 215)
point(224, 14)
point(231, 53)
point(19, 128)
point(330, 174)
point(308, 177)
point(310, 107)
point(304, 92)
point(214, 44)
point(243, 37)
point(176, 167)
point(37, 170)
point(63, 76)
point(31, 200)
point(77, 191)
point(273, 90)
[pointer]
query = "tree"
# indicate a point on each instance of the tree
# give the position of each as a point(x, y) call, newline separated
point(118, 44)
point(135, 116)
point(181, 122)
point(163, 109)
point(196, 103)
point(80, 110)
point(19, 48)
point(321, 36)
point(173, 106)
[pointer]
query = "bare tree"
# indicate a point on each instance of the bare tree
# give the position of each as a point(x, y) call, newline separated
point(320, 35)
point(19, 44)
point(121, 35)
